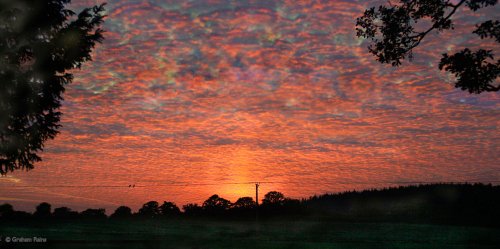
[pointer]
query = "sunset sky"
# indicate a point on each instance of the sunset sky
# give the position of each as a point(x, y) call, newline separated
point(186, 99)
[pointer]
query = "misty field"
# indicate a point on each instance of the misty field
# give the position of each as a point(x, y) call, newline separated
point(201, 234)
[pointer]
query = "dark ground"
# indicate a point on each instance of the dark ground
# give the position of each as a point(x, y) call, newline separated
point(272, 234)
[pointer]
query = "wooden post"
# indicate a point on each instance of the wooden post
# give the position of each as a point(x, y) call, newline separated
point(257, 207)
point(257, 193)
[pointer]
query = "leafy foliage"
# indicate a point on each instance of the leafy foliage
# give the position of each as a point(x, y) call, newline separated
point(393, 35)
point(273, 198)
point(150, 209)
point(40, 41)
point(43, 210)
point(122, 212)
point(215, 204)
point(472, 70)
point(92, 213)
point(244, 203)
point(192, 209)
point(64, 213)
point(489, 29)
point(465, 204)
point(169, 208)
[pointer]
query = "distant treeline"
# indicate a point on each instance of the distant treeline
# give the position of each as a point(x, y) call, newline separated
point(466, 204)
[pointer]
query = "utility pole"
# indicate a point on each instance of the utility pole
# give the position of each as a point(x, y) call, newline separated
point(257, 207)
point(257, 194)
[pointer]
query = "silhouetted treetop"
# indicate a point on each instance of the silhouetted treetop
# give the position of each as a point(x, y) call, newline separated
point(476, 204)
point(169, 209)
point(92, 213)
point(216, 204)
point(192, 209)
point(43, 210)
point(6, 209)
point(273, 198)
point(40, 41)
point(64, 213)
point(244, 203)
point(393, 35)
point(122, 212)
point(150, 209)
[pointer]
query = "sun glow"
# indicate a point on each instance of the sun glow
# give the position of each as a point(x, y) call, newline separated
point(241, 165)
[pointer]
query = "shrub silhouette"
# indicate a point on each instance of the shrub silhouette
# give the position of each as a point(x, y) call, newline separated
point(192, 209)
point(216, 205)
point(169, 209)
point(273, 198)
point(64, 213)
point(463, 204)
point(6, 210)
point(122, 212)
point(149, 209)
point(91, 213)
point(43, 210)
point(244, 203)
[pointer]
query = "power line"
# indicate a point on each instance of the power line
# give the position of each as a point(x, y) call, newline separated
point(137, 186)
point(238, 183)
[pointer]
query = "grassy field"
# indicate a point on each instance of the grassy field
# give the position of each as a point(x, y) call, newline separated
point(191, 234)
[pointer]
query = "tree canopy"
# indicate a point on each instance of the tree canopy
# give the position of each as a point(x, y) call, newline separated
point(273, 198)
point(216, 204)
point(40, 42)
point(244, 203)
point(122, 212)
point(392, 31)
point(150, 209)
point(169, 209)
point(43, 210)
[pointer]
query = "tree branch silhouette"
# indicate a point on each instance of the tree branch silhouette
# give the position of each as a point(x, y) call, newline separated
point(391, 30)
point(40, 41)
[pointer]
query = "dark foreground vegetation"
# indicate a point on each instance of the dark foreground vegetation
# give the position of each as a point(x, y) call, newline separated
point(424, 216)
point(466, 204)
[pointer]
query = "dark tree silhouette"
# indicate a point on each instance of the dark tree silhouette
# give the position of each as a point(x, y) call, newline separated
point(460, 204)
point(64, 213)
point(40, 41)
point(216, 205)
point(244, 207)
point(6, 210)
point(43, 210)
point(273, 198)
point(393, 35)
point(8, 213)
point(169, 209)
point(91, 213)
point(192, 209)
point(122, 212)
point(244, 203)
point(150, 209)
